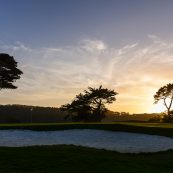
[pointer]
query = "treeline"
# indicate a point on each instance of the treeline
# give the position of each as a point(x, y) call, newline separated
point(125, 116)
point(37, 114)
point(26, 114)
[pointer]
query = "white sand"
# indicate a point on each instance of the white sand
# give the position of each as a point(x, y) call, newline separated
point(118, 141)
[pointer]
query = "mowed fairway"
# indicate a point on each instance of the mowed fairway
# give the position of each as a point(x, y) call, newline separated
point(72, 159)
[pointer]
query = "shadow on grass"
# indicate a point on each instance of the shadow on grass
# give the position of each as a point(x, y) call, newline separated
point(71, 159)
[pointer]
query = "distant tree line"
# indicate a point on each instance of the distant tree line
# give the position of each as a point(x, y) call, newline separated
point(28, 114)
point(121, 113)
point(36, 114)
point(112, 116)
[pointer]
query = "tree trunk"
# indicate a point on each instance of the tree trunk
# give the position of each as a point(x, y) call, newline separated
point(168, 108)
point(99, 111)
point(169, 115)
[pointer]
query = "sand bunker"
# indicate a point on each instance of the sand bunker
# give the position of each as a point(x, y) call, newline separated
point(118, 141)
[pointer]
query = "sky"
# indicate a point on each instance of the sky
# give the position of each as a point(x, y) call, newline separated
point(64, 46)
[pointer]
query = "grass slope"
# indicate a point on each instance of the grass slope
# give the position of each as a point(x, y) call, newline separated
point(70, 159)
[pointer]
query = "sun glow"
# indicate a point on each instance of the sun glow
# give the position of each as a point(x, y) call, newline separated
point(157, 108)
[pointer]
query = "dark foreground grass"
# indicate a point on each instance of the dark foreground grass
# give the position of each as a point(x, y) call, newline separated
point(71, 159)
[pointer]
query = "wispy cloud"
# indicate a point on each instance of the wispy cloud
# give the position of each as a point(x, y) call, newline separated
point(93, 45)
point(54, 75)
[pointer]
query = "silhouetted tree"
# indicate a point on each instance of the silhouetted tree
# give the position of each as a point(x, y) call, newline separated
point(165, 93)
point(90, 106)
point(98, 98)
point(9, 72)
point(79, 109)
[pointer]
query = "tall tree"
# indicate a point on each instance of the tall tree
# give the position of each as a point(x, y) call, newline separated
point(9, 72)
point(90, 106)
point(165, 93)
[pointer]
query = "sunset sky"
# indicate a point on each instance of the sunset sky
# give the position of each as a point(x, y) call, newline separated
point(64, 46)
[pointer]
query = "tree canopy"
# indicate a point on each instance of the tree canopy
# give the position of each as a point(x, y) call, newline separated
point(90, 106)
point(165, 93)
point(9, 72)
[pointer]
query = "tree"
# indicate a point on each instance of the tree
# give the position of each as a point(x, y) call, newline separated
point(79, 109)
point(165, 93)
point(98, 98)
point(90, 106)
point(9, 72)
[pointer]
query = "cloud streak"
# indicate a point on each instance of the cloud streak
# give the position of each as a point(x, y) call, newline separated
point(54, 75)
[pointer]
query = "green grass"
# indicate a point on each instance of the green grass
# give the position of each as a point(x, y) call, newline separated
point(145, 124)
point(70, 159)
point(164, 129)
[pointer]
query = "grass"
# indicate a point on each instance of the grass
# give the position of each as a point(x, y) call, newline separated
point(164, 129)
point(71, 159)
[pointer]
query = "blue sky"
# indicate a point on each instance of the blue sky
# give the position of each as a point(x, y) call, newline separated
point(61, 22)
point(63, 46)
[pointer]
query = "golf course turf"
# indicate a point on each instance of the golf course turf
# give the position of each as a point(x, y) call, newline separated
point(73, 159)
point(164, 129)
